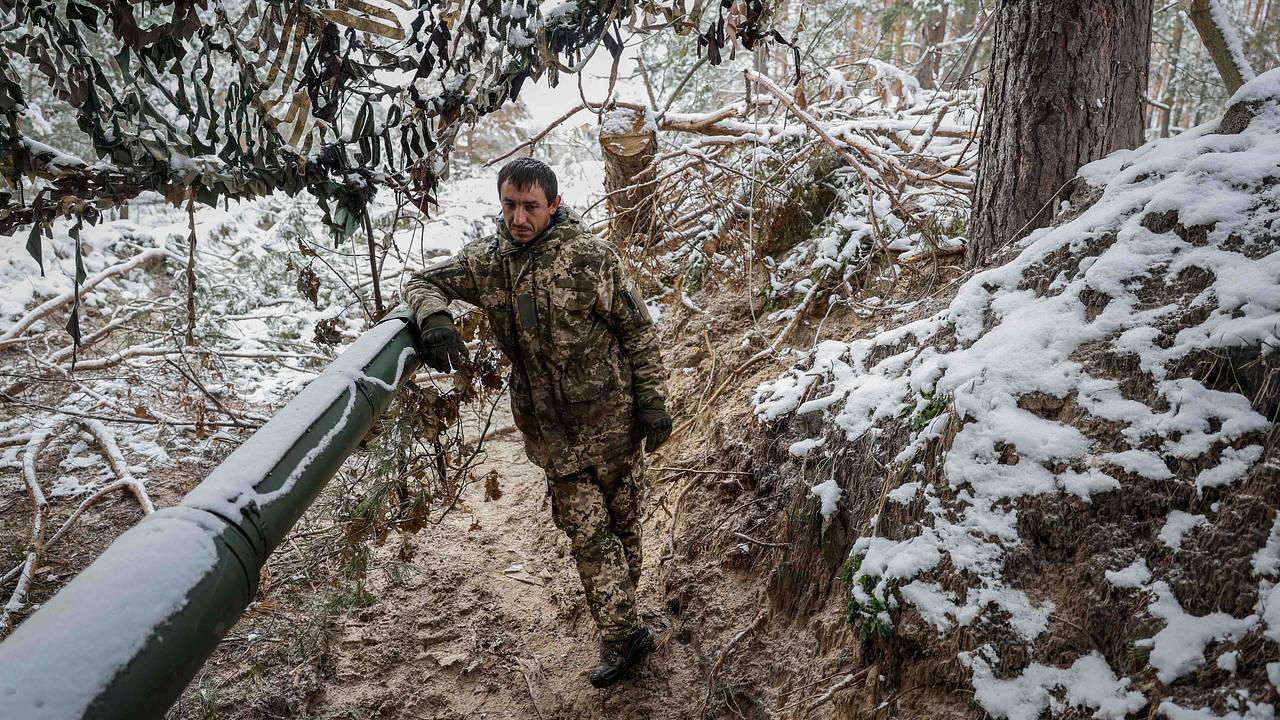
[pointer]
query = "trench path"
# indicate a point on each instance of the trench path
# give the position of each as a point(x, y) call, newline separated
point(495, 625)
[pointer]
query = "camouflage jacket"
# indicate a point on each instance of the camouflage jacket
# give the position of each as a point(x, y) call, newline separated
point(582, 346)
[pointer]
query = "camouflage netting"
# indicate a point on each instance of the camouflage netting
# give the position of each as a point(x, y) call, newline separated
point(204, 101)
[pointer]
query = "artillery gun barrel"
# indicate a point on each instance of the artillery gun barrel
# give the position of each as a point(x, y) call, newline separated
point(125, 636)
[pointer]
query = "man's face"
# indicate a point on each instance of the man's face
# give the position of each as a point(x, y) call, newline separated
point(526, 211)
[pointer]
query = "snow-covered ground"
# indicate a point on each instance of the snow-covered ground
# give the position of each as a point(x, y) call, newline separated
point(1130, 283)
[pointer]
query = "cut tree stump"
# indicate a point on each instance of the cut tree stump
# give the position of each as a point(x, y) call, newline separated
point(628, 144)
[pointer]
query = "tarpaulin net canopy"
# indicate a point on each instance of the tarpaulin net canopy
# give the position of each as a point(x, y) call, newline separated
point(202, 100)
point(233, 98)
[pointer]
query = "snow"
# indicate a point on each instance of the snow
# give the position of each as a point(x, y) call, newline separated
point(1232, 466)
point(1269, 607)
point(1001, 340)
point(1088, 683)
point(801, 448)
point(1223, 22)
point(1135, 575)
point(905, 492)
point(937, 607)
point(1140, 462)
point(828, 493)
point(232, 486)
point(18, 274)
point(1255, 711)
point(1178, 648)
point(1176, 526)
point(231, 243)
point(143, 579)
point(1264, 88)
point(1084, 485)
point(1266, 561)
point(618, 121)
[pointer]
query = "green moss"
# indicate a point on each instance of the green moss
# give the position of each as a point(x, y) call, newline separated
point(849, 567)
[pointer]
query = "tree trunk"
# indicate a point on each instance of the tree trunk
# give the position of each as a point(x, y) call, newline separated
point(956, 80)
point(1065, 87)
point(932, 33)
point(1170, 85)
point(628, 148)
point(1221, 41)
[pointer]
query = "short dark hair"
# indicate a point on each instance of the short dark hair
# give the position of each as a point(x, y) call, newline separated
point(526, 171)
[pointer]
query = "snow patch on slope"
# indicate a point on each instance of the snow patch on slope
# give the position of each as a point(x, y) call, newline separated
point(1001, 341)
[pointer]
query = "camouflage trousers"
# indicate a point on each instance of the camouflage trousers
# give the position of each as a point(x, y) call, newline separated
point(602, 520)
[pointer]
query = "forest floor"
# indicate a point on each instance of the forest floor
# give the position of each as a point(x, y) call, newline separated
point(481, 615)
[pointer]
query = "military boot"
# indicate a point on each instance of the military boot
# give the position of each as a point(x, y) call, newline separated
point(617, 657)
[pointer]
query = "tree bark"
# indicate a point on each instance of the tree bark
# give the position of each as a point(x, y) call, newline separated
point(1065, 87)
point(1170, 85)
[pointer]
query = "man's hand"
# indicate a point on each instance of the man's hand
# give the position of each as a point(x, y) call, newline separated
point(441, 348)
point(656, 425)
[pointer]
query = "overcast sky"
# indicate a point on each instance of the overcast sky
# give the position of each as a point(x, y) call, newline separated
point(545, 103)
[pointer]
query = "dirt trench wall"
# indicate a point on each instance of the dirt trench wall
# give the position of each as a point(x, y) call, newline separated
point(1139, 581)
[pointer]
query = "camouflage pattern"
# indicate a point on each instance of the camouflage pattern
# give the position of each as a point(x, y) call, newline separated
point(584, 358)
point(582, 346)
point(602, 520)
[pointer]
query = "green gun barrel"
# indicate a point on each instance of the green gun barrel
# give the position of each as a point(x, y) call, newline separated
point(125, 636)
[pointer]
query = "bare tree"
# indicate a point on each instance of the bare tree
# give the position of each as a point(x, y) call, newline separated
point(1065, 87)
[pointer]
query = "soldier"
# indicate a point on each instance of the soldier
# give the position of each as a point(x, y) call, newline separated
point(586, 381)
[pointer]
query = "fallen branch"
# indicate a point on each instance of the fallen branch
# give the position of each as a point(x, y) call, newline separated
point(735, 377)
point(192, 377)
point(934, 253)
point(89, 340)
point(748, 538)
point(845, 682)
point(26, 574)
point(732, 512)
point(128, 420)
point(499, 432)
point(724, 654)
point(152, 350)
point(52, 304)
point(527, 667)
point(694, 471)
point(124, 481)
point(115, 459)
point(820, 700)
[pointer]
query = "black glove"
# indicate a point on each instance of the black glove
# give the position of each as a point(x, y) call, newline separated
point(656, 425)
point(441, 348)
